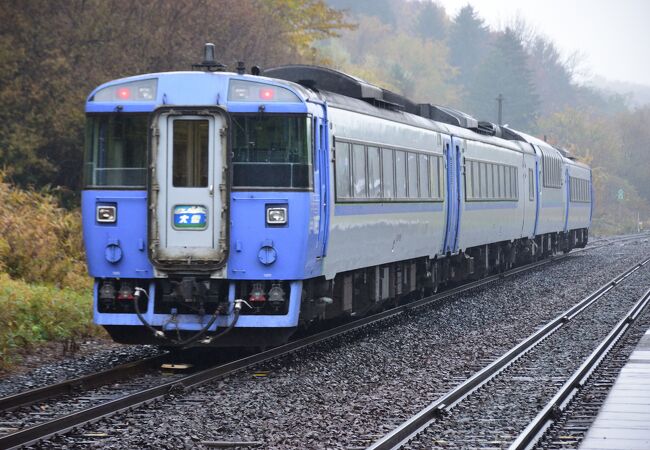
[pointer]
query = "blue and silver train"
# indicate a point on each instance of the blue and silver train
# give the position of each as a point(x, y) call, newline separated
point(231, 209)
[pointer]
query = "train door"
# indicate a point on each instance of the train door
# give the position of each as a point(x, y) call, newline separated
point(538, 188)
point(591, 196)
point(452, 164)
point(188, 223)
point(567, 188)
point(528, 196)
point(322, 182)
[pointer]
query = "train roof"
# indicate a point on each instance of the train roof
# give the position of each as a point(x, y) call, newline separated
point(319, 78)
point(345, 91)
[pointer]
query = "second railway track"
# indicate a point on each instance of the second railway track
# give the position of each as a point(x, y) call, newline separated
point(477, 415)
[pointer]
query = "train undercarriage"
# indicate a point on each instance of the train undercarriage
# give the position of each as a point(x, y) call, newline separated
point(350, 294)
point(363, 291)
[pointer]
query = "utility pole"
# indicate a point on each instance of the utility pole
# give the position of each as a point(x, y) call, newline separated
point(500, 102)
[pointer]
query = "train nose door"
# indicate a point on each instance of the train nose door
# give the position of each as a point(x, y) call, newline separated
point(188, 223)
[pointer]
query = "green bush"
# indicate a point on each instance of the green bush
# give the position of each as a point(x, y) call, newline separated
point(35, 313)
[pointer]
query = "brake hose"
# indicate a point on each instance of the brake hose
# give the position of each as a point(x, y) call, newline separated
point(160, 334)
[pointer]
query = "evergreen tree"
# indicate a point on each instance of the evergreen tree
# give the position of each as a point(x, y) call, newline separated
point(551, 76)
point(382, 9)
point(505, 71)
point(468, 42)
point(431, 21)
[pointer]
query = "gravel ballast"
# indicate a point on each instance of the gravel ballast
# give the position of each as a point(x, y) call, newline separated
point(348, 392)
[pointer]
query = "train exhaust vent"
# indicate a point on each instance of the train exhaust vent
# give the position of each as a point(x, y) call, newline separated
point(447, 115)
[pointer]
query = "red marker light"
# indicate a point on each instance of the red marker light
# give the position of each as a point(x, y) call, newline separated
point(124, 93)
point(267, 93)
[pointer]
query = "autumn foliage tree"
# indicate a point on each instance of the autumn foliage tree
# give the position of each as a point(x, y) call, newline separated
point(53, 53)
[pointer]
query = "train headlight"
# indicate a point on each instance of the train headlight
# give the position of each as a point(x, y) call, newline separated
point(252, 91)
point(276, 215)
point(134, 91)
point(106, 214)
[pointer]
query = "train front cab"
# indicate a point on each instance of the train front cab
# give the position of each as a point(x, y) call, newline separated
point(227, 207)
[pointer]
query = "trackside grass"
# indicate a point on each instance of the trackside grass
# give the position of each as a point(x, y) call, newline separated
point(45, 293)
point(33, 314)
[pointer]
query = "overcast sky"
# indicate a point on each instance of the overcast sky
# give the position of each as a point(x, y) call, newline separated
point(613, 36)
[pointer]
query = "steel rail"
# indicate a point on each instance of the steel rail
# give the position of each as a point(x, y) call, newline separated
point(423, 419)
point(62, 424)
point(27, 398)
point(538, 426)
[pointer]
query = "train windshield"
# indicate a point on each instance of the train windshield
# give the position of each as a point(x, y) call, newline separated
point(116, 151)
point(271, 151)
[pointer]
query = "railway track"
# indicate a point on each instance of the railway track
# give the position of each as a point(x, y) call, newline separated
point(31, 397)
point(410, 433)
point(534, 431)
point(576, 416)
point(66, 422)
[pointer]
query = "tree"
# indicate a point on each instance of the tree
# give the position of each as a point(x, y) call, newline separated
point(551, 77)
point(377, 54)
point(635, 142)
point(468, 43)
point(505, 71)
point(431, 21)
point(53, 53)
point(305, 21)
point(381, 9)
point(616, 150)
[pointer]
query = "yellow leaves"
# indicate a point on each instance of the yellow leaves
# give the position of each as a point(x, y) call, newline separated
point(39, 242)
point(598, 141)
point(589, 136)
point(395, 60)
point(306, 21)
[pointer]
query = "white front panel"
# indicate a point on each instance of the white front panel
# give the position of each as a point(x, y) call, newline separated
point(189, 179)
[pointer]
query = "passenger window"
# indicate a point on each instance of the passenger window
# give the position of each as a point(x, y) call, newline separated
point(388, 177)
point(400, 174)
point(468, 180)
point(531, 185)
point(190, 158)
point(342, 170)
point(412, 175)
point(424, 176)
point(436, 179)
point(374, 173)
point(359, 171)
point(490, 187)
point(476, 180)
point(502, 181)
point(484, 180)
